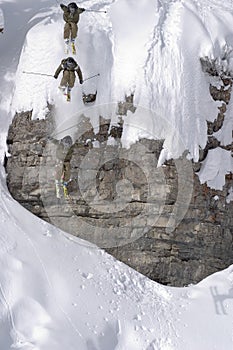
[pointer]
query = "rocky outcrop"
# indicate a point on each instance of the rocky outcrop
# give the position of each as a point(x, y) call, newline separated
point(122, 202)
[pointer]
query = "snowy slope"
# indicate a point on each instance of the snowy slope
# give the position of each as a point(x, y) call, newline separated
point(59, 292)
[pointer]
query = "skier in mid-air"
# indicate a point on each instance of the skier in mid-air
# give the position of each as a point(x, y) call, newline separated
point(71, 17)
point(62, 169)
point(69, 67)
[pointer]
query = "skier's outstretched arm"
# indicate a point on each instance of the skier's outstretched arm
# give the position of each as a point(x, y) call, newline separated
point(81, 10)
point(64, 8)
point(79, 72)
point(58, 71)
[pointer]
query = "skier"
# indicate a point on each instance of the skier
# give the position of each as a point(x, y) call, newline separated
point(69, 67)
point(62, 178)
point(71, 18)
point(62, 173)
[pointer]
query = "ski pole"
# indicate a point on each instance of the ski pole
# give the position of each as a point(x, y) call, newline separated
point(96, 75)
point(34, 73)
point(95, 11)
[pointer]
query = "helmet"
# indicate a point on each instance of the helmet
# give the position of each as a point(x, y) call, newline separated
point(70, 62)
point(72, 6)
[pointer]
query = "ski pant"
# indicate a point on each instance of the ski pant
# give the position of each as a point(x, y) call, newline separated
point(68, 78)
point(70, 31)
point(62, 176)
point(62, 171)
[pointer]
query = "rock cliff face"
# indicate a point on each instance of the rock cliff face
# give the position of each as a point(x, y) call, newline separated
point(122, 202)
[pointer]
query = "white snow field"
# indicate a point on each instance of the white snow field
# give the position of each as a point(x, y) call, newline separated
point(59, 292)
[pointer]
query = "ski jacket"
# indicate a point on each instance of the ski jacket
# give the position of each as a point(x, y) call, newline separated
point(74, 68)
point(69, 17)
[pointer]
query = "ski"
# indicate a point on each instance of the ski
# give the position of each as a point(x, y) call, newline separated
point(65, 191)
point(62, 194)
point(57, 188)
point(68, 96)
point(67, 48)
point(73, 49)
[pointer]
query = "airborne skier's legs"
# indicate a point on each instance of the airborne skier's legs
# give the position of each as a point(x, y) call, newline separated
point(67, 31)
point(74, 32)
point(67, 34)
point(66, 178)
point(62, 176)
point(70, 33)
point(69, 67)
point(68, 81)
point(57, 176)
point(68, 78)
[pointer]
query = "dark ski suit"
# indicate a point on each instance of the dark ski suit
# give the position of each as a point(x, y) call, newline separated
point(71, 21)
point(62, 170)
point(69, 72)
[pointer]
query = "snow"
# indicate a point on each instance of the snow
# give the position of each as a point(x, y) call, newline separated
point(224, 135)
point(215, 175)
point(230, 195)
point(60, 292)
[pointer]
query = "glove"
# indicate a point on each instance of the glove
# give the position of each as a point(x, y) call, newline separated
point(81, 81)
point(82, 9)
point(55, 76)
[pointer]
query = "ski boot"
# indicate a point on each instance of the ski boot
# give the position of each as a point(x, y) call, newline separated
point(68, 94)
